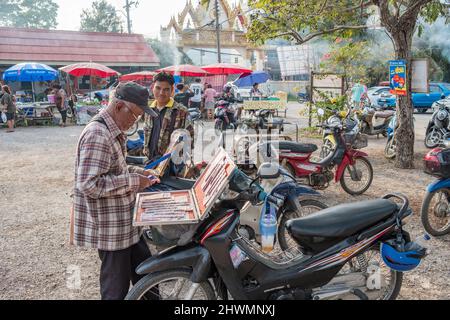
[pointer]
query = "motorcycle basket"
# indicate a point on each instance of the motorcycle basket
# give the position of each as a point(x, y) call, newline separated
point(357, 141)
point(437, 163)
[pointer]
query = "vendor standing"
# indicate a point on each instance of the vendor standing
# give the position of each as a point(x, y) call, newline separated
point(8, 102)
point(105, 191)
point(61, 102)
point(171, 116)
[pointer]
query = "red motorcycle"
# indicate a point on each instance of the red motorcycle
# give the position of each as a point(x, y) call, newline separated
point(353, 169)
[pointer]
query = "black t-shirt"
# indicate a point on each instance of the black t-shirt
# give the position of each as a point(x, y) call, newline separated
point(183, 98)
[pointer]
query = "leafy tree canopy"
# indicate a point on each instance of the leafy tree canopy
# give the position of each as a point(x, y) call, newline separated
point(39, 14)
point(101, 17)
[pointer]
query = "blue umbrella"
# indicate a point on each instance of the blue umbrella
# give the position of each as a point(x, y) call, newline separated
point(30, 72)
point(249, 79)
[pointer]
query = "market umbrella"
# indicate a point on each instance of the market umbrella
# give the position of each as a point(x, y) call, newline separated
point(226, 68)
point(249, 79)
point(89, 69)
point(136, 76)
point(30, 72)
point(185, 70)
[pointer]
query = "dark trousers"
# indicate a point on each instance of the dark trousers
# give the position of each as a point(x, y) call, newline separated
point(118, 269)
point(63, 115)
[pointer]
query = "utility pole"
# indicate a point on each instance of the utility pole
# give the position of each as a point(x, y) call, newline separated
point(219, 59)
point(130, 3)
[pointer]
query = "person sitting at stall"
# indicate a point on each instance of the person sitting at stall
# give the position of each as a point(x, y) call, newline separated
point(255, 91)
point(9, 104)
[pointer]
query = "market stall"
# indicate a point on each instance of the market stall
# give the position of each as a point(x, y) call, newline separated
point(277, 102)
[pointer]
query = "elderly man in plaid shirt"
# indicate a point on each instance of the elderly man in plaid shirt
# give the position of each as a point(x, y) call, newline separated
point(105, 190)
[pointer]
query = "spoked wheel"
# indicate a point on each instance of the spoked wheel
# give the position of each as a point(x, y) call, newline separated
point(435, 212)
point(309, 206)
point(170, 285)
point(219, 127)
point(133, 129)
point(433, 139)
point(380, 282)
point(390, 149)
point(358, 177)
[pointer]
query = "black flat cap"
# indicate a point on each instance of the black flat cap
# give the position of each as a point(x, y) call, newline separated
point(135, 93)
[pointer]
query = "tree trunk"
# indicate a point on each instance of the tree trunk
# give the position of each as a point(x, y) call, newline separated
point(405, 131)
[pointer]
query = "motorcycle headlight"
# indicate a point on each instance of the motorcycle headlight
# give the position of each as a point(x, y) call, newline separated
point(441, 115)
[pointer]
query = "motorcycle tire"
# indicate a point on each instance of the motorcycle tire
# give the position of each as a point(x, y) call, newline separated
point(369, 182)
point(389, 150)
point(219, 127)
point(153, 279)
point(133, 129)
point(432, 143)
point(425, 215)
point(284, 238)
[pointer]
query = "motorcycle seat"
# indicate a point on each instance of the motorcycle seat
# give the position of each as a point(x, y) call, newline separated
point(341, 221)
point(193, 110)
point(384, 114)
point(297, 147)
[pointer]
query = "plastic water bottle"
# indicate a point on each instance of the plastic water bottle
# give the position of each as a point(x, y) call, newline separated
point(421, 242)
point(268, 227)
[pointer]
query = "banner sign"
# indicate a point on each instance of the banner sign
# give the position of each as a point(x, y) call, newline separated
point(397, 77)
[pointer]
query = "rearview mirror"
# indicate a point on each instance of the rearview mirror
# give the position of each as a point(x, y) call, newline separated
point(320, 112)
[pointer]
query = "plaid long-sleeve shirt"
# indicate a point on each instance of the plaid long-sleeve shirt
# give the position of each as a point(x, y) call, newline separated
point(105, 189)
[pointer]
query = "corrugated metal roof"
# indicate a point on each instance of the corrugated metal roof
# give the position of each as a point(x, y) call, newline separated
point(56, 47)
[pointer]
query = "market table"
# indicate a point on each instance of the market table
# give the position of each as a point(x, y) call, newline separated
point(278, 102)
point(36, 113)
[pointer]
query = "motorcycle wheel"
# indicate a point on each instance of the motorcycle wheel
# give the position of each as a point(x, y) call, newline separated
point(389, 150)
point(165, 283)
point(435, 213)
point(218, 127)
point(133, 129)
point(372, 256)
point(347, 179)
point(433, 139)
point(309, 206)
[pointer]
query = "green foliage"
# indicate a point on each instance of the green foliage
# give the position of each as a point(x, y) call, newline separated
point(168, 54)
point(39, 14)
point(102, 17)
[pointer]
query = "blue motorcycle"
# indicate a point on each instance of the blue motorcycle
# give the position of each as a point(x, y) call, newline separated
point(389, 150)
point(435, 212)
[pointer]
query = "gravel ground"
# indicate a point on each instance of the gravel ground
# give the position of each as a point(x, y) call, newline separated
point(36, 166)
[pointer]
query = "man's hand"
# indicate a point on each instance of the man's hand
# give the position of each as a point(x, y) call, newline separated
point(150, 173)
point(146, 182)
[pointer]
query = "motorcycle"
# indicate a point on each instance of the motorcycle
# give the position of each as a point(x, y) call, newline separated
point(351, 165)
point(435, 213)
point(369, 120)
point(352, 134)
point(225, 116)
point(301, 201)
point(390, 149)
point(302, 97)
point(261, 120)
point(437, 130)
point(357, 250)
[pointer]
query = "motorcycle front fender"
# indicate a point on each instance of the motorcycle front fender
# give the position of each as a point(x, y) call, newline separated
point(348, 159)
point(197, 258)
point(438, 184)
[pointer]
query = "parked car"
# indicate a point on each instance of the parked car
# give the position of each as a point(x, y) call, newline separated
point(421, 101)
point(374, 94)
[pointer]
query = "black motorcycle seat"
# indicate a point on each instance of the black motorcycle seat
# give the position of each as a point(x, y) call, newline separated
point(177, 183)
point(297, 147)
point(342, 220)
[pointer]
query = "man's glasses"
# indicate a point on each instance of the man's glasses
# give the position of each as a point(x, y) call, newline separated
point(136, 118)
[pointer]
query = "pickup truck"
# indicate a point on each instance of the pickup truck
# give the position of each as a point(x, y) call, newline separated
point(421, 101)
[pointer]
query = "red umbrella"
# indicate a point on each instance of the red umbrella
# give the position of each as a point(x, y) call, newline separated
point(185, 70)
point(226, 68)
point(89, 69)
point(137, 76)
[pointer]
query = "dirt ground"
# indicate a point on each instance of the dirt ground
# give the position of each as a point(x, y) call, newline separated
point(36, 262)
